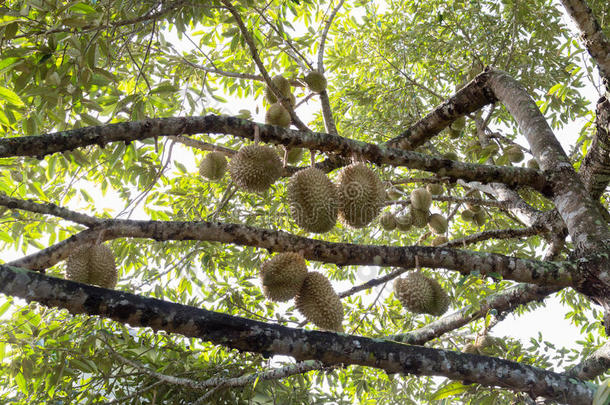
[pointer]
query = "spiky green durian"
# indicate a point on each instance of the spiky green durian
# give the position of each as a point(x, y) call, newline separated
point(313, 200)
point(255, 168)
point(421, 199)
point(388, 221)
point(213, 166)
point(403, 222)
point(361, 195)
point(316, 81)
point(439, 240)
point(319, 303)
point(435, 188)
point(414, 292)
point(437, 224)
point(421, 294)
point(514, 153)
point(282, 276)
point(467, 215)
point(283, 86)
point(419, 218)
point(393, 194)
point(278, 115)
point(532, 164)
point(480, 217)
point(92, 264)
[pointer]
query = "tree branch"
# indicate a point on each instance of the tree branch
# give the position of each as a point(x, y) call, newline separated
point(594, 365)
point(595, 167)
point(504, 301)
point(511, 268)
point(268, 339)
point(49, 209)
point(593, 37)
point(493, 234)
point(42, 145)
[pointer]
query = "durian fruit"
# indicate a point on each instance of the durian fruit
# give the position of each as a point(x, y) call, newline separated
point(313, 200)
point(213, 166)
point(255, 168)
point(471, 348)
point(393, 194)
point(361, 195)
point(421, 199)
point(277, 115)
point(456, 127)
point(419, 218)
point(514, 153)
point(437, 224)
point(532, 164)
point(479, 217)
point(388, 221)
point(420, 294)
point(439, 240)
point(435, 188)
point(315, 81)
point(283, 86)
point(403, 222)
point(467, 215)
point(295, 155)
point(440, 302)
point(92, 264)
point(319, 303)
point(414, 292)
point(282, 276)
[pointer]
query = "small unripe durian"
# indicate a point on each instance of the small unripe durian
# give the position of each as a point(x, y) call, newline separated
point(283, 86)
point(471, 349)
point(414, 292)
point(313, 200)
point(213, 166)
point(435, 188)
point(420, 294)
point(361, 195)
point(421, 199)
point(437, 224)
point(403, 222)
point(479, 217)
point(316, 81)
point(532, 164)
point(419, 218)
point(92, 264)
point(439, 240)
point(255, 168)
point(278, 115)
point(295, 155)
point(514, 153)
point(282, 276)
point(393, 194)
point(319, 303)
point(467, 215)
point(388, 221)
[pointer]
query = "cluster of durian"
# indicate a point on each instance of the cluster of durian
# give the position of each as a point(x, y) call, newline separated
point(474, 213)
point(277, 114)
point(421, 294)
point(92, 264)
point(316, 203)
point(285, 277)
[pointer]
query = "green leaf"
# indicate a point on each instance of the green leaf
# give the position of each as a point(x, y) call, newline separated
point(450, 390)
point(10, 97)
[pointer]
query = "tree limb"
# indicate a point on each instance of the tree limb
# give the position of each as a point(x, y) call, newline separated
point(595, 168)
point(560, 274)
point(42, 145)
point(268, 339)
point(594, 365)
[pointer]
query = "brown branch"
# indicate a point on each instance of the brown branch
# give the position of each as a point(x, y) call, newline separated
point(40, 146)
point(493, 234)
point(49, 209)
point(197, 144)
point(269, 339)
point(592, 34)
point(511, 268)
point(594, 365)
point(504, 301)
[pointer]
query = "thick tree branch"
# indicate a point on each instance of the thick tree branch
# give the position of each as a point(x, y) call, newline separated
point(504, 301)
point(581, 216)
point(594, 365)
point(530, 271)
point(593, 37)
point(42, 145)
point(468, 99)
point(595, 167)
point(48, 209)
point(268, 339)
point(493, 234)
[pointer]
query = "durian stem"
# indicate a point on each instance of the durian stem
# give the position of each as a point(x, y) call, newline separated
point(312, 154)
point(285, 155)
point(257, 134)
